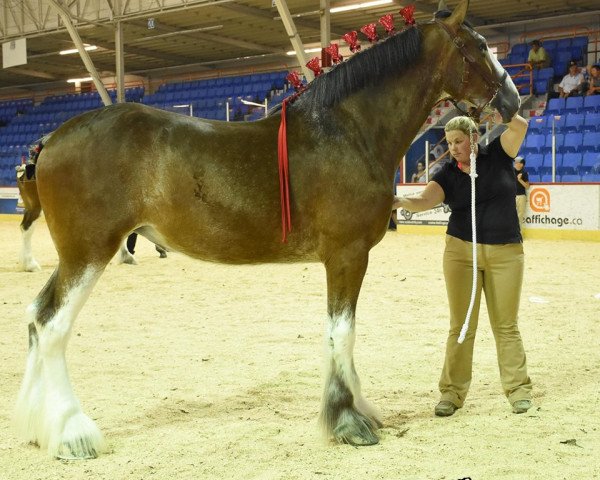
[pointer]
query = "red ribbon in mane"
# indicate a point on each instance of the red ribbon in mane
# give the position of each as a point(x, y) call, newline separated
point(313, 64)
point(351, 38)
point(284, 175)
point(387, 22)
point(408, 12)
point(334, 52)
point(370, 30)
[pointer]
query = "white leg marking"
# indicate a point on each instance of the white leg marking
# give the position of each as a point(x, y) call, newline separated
point(47, 410)
point(28, 263)
point(123, 255)
point(341, 336)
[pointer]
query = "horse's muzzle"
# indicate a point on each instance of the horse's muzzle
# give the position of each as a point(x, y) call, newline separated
point(507, 100)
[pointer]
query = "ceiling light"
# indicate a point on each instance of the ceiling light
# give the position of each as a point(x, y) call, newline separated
point(79, 80)
point(358, 6)
point(74, 50)
point(308, 50)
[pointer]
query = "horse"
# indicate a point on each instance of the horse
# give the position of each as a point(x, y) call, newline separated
point(210, 190)
point(32, 209)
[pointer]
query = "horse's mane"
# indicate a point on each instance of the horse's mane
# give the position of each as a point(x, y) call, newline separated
point(387, 58)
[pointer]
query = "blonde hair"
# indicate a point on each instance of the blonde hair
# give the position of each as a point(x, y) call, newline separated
point(465, 124)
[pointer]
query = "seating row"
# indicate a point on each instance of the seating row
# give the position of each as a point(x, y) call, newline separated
point(587, 104)
point(567, 163)
point(564, 143)
point(590, 178)
point(574, 122)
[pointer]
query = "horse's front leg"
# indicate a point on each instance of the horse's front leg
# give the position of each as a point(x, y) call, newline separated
point(345, 415)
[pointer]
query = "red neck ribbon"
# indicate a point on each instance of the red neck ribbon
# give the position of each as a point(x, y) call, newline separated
point(284, 175)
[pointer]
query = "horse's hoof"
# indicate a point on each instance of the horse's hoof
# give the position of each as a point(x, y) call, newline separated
point(163, 255)
point(355, 429)
point(80, 440)
point(129, 260)
point(76, 451)
point(32, 267)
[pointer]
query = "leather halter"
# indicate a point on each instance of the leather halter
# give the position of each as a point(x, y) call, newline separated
point(493, 86)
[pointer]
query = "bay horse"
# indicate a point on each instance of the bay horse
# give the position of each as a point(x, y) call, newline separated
point(210, 190)
point(27, 185)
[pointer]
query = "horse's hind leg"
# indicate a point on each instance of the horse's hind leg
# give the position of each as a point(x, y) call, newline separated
point(345, 414)
point(47, 411)
point(32, 212)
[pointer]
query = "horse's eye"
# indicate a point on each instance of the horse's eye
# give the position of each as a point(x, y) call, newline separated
point(483, 47)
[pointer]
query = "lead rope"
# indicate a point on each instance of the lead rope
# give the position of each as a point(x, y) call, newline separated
point(473, 175)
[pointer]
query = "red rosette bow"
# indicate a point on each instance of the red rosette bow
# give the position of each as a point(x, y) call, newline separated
point(408, 14)
point(334, 52)
point(370, 30)
point(314, 65)
point(387, 22)
point(294, 79)
point(351, 38)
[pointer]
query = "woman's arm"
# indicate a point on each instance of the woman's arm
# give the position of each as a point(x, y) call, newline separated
point(512, 138)
point(522, 182)
point(430, 197)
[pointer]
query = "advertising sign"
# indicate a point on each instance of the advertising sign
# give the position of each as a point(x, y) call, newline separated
point(550, 207)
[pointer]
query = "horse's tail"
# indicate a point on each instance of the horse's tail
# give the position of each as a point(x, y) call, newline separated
point(36, 148)
point(26, 172)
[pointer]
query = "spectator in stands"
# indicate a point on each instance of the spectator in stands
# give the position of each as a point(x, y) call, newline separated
point(499, 251)
point(522, 186)
point(538, 57)
point(572, 82)
point(593, 86)
point(419, 175)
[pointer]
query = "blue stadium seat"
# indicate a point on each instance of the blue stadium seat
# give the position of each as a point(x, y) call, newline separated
point(562, 55)
point(546, 178)
point(520, 49)
point(534, 143)
point(573, 143)
point(547, 148)
point(534, 162)
point(574, 105)
point(591, 177)
point(540, 87)
point(535, 178)
point(546, 167)
point(580, 42)
point(570, 163)
point(590, 163)
point(591, 142)
point(536, 124)
point(574, 122)
point(591, 103)
point(571, 178)
point(591, 122)
point(555, 105)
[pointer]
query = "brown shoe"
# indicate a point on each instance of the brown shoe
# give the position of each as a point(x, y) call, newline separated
point(445, 408)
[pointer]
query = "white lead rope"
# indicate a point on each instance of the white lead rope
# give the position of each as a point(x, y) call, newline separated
point(473, 175)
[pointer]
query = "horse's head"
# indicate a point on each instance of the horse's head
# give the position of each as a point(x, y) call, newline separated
point(478, 76)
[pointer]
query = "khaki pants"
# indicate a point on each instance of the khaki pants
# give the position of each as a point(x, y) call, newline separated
point(500, 275)
point(521, 204)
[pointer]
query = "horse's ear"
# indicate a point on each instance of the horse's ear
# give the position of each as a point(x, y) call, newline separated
point(459, 14)
point(442, 6)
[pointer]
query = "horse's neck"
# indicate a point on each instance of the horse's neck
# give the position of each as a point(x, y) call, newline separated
point(394, 111)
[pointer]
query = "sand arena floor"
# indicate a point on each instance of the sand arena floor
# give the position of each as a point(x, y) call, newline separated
point(195, 370)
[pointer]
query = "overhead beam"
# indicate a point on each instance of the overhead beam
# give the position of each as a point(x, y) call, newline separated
point(87, 61)
point(31, 73)
point(259, 13)
point(295, 39)
point(215, 38)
